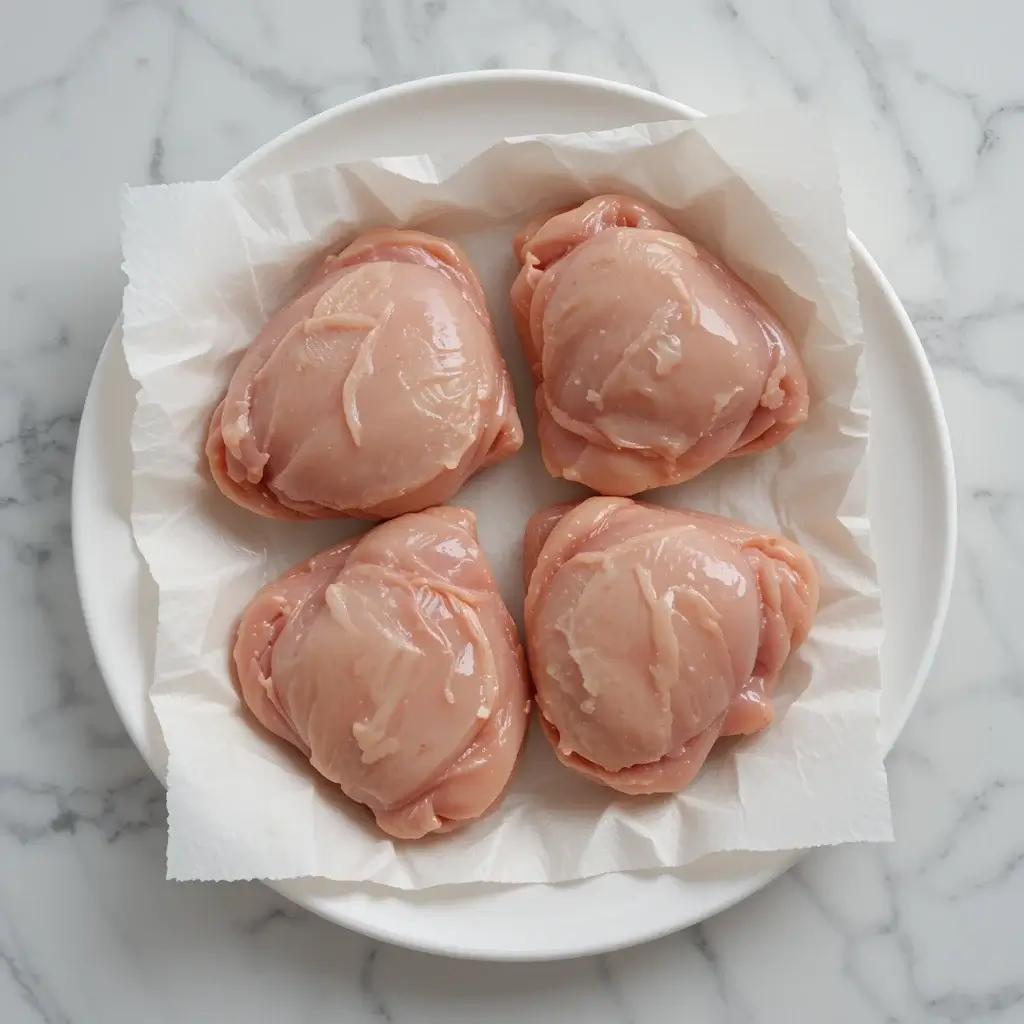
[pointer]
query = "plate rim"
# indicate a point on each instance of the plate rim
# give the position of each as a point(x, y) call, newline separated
point(348, 917)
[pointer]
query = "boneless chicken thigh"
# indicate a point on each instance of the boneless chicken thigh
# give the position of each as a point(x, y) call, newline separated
point(653, 632)
point(652, 359)
point(391, 662)
point(377, 390)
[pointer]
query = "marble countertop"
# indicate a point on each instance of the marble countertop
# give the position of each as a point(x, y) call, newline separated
point(927, 105)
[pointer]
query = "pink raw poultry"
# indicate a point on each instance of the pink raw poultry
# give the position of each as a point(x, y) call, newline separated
point(378, 390)
point(653, 632)
point(652, 359)
point(391, 662)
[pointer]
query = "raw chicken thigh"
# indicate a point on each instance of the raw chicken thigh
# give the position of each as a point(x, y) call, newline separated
point(391, 662)
point(379, 389)
point(652, 360)
point(652, 632)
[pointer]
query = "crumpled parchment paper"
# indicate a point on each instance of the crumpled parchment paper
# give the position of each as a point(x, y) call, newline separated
point(207, 262)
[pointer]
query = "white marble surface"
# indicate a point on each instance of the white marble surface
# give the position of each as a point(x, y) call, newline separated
point(927, 104)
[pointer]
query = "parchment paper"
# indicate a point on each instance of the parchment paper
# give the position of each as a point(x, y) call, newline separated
point(207, 263)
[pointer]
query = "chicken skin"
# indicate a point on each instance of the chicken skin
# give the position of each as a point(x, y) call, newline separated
point(377, 390)
point(392, 663)
point(652, 360)
point(653, 632)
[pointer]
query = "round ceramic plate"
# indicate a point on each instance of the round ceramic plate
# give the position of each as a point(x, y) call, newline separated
point(912, 508)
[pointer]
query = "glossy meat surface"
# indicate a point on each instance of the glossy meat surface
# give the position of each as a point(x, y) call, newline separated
point(377, 390)
point(653, 632)
point(652, 360)
point(392, 663)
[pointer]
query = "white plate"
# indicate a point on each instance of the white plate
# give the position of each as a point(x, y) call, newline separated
point(912, 503)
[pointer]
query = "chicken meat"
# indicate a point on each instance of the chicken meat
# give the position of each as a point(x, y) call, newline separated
point(653, 632)
point(391, 662)
point(652, 360)
point(377, 390)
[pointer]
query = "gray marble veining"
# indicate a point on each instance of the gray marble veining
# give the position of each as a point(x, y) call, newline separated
point(926, 103)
